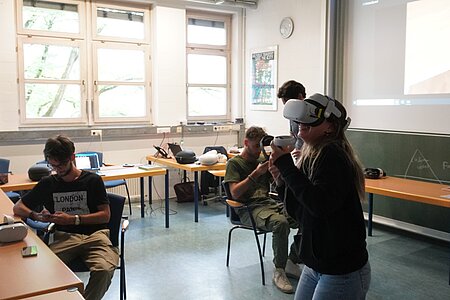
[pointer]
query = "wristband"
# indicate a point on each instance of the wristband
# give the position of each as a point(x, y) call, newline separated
point(251, 178)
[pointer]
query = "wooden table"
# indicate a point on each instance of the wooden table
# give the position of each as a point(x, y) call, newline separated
point(21, 182)
point(25, 277)
point(406, 189)
point(70, 294)
point(195, 168)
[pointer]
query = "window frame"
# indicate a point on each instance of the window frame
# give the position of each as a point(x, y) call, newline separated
point(88, 42)
point(31, 32)
point(96, 82)
point(96, 37)
point(21, 40)
point(217, 50)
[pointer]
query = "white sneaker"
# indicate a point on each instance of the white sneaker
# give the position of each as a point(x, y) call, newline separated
point(281, 281)
point(293, 270)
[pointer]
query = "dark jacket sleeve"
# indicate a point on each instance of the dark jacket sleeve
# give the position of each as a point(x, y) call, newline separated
point(323, 194)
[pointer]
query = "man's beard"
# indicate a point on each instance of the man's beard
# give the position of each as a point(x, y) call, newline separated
point(66, 172)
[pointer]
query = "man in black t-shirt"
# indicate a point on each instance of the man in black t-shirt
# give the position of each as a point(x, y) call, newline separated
point(77, 203)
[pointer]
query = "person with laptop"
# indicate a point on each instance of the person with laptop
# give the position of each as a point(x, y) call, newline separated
point(76, 201)
point(249, 182)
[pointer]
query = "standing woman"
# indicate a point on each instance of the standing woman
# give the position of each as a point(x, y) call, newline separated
point(324, 192)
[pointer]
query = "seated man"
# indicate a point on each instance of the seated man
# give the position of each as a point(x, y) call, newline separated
point(249, 183)
point(77, 203)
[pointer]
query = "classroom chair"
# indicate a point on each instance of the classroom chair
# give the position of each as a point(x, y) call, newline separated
point(117, 224)
point(235, 220)
point(4, 168)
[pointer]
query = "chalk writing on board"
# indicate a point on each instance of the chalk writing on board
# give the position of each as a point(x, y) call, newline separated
point(445, 165)
point(419, 162)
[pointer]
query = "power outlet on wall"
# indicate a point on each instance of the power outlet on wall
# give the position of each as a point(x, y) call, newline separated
point(96, 132)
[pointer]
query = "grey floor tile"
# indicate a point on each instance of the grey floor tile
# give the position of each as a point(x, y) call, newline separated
point(187, 261)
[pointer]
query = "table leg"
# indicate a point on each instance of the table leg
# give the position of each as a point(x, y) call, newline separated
point(141, 181)
point(196, 195)
point(369, 221)
point(150, 190)
point(166, 191)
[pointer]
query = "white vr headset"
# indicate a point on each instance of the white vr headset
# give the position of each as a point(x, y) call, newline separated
point(12, 231)
point(313, 110)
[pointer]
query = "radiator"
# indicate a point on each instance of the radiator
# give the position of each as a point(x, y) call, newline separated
point(133, 187)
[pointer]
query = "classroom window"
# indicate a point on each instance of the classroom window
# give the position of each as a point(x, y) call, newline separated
point(208, 61)
point(81, 68)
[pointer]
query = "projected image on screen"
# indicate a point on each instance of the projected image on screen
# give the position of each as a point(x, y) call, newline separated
point(427, 59)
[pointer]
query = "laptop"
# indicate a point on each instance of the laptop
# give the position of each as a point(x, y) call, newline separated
point(87, 161)
point(174, 148)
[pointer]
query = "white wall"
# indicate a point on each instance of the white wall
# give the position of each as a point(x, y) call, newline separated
point(169, 65)
point(300, 57)
point(9, 93)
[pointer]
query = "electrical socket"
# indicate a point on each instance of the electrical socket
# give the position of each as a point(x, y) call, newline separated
point(222, 128)
point(163, 130)
point(96, 132)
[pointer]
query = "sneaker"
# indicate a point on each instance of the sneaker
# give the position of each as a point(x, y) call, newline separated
point(281, 281)
point(292, 269)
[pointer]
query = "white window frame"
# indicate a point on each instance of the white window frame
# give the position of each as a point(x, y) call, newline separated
point(81, 82)
point(96, 37)
point(97, 82)
point(203, 49)
point(86, 39)
point(81, 13)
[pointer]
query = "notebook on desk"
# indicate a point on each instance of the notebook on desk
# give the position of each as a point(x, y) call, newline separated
point(87, 162)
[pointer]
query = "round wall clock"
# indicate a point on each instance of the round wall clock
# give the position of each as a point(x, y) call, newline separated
point(286, 27)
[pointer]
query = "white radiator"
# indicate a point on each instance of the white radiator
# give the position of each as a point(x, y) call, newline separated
point(133, 187)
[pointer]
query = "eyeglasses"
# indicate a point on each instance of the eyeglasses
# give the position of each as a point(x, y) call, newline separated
point(58, 166)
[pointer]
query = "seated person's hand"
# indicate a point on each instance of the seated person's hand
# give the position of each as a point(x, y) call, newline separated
point(61, 218)
point(261, 169)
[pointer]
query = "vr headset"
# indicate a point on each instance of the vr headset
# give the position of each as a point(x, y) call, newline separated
point(374, 173)
point(314, 110)
point(12, 231)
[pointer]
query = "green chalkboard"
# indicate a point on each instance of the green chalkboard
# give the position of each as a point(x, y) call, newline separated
point(413, 156)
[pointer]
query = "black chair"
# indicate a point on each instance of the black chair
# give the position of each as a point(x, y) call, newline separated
point(116, 225)
point(111, 183)
point(207, 179)
point(236, 221)
point(4, 169)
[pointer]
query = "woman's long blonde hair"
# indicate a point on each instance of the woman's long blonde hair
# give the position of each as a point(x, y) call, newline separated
point(311, 154)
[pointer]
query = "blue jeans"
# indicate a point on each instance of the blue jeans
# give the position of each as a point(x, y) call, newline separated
point(317, 286)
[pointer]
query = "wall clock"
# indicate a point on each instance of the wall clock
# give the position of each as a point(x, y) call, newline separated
point(286, 27)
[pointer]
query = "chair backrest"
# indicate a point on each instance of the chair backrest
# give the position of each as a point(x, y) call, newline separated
point(116, 203)
point(234, 217)
point(4, 165)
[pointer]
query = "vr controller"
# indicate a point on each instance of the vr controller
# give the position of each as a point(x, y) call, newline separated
point(281, 141)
